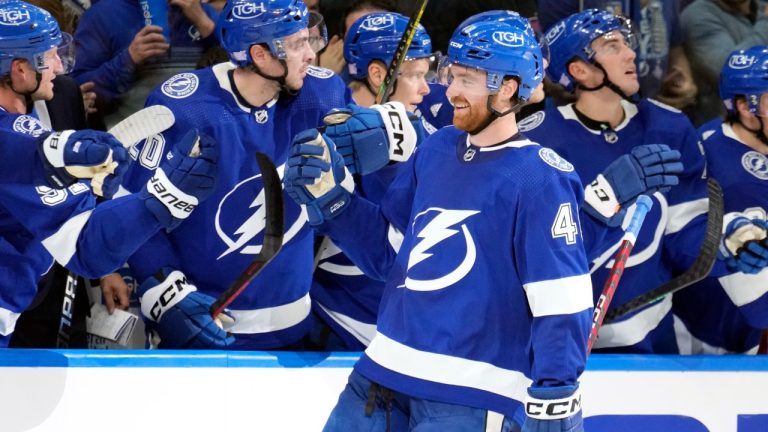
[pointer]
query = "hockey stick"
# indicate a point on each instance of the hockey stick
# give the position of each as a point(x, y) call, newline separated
point(644, 204)
point(400, 54)
point(700, 267)
point(273, 234)
point(136, 127)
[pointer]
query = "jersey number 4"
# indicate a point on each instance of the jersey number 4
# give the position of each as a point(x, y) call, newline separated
point(564, 225)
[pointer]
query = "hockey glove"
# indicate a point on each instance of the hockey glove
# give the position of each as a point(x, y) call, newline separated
point(315, 176)
point(645, 170)
point(369, 138)
point(179, 314)
point(553, 409)
point(186, 176)
point(743, 247)
point(71, 155)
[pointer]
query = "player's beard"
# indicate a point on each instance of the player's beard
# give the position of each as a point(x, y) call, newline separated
point(470, 118)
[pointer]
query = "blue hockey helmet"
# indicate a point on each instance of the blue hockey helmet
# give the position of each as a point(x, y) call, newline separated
point(571, 38)
point(376, 37)
point(26, 32)
point(745, 73)
point(243, 23)
point(500, 47)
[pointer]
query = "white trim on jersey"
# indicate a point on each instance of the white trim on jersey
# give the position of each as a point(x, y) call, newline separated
point(681, 214)
point(271, 319)
point(395, 238)
point(494, 422)
point(221, 72)
point(634, 329)
point(62, 244)
point(8, 320)
point(361, 331)
point(445, 369)
point(630, 110)
point(688, 344)
point(744, 288)
point(563, 296)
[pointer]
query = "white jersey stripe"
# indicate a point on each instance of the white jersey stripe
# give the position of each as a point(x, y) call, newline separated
point(560, 296)
point(745, 288)
point(62, 244)
point(361, 331)
point(445, 369)
point(8, 320)
point(270, 319)
point(681, 214)
point(634, 329)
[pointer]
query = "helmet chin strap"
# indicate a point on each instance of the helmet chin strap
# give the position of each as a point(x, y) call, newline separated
point(759, 134)
point(494, 114)
point(279, 79)
point(635, 98)
point(28, 101)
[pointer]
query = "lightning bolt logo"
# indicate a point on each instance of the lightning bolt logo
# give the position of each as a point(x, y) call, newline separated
point(250, 228)
point(438, 230)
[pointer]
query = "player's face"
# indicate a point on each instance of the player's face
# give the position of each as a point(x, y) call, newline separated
point(411, 83)
point(298, 56)
point(52, 67)
point(469, 97)
point(615, 54)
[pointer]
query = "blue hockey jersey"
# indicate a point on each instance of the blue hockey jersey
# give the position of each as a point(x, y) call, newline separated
point(224, 234)
point(487, 289)
point(673, 230)
point(724, 315)
point(39, 224)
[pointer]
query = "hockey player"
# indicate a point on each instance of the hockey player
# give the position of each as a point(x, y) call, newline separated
point(487, 301)
point(620, 145)
point(725, 315)
point(258, 102)
point(39, 223)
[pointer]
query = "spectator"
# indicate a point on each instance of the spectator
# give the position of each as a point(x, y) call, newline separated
point(712, 29)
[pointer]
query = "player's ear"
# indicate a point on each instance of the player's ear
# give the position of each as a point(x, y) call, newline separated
point(260, 54)
point(742, 107)
point(376, 73)
point(508, 88)
point(578, 70)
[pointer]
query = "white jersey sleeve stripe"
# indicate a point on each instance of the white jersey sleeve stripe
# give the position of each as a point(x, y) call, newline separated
point(271, 319)
point(395, 238)
point(681, 214)
point(744, 288)
point(559, 296)
point(634, 329)
point(445, 369)
point(63, 243)
point(363, 332)
point(7, 321)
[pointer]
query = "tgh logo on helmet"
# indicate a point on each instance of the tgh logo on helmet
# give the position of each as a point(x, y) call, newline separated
point(248, 10)
point(378, 22)
point(741, 61)
point(509, 39)
point(14, 17)
point(555, 32)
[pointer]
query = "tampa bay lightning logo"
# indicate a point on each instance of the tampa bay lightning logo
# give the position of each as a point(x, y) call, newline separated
point(28, 125)
point(756, 164)
point(14, 17)
point(194, 33)
point(180, 86)
point(240, 218)
point(552, 158)
point(532, 121)
point(441, 232)
point(319, 72)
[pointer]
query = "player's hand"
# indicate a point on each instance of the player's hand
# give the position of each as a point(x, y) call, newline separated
point(315, 176)
point(149, 42)
point(743, 247)
point(71, 155)
point(186, 176)
point(179, 314)
point(553, 409)
point(645, 170)
point(89, 97)
point(115, 292)
point(369, 138)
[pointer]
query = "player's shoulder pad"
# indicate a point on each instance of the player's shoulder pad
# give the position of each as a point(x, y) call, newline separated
point(320, 72)
point(532, 121)
point(664, 106)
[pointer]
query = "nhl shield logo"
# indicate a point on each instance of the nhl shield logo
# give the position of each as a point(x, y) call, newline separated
point(261, 116)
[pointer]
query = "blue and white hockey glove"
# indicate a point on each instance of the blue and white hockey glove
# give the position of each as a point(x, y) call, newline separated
point(369, 138)
point(186, 176)
point(743, 247)
point(645, 170)
point(71, 155)
point(315, 176)
point(179, 314)
point(553, 409)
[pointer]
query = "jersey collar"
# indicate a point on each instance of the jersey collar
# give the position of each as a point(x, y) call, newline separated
point(597, 127)
point(223, 73)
